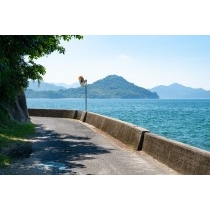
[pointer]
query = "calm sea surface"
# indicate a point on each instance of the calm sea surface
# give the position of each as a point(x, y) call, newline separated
point(187, 121)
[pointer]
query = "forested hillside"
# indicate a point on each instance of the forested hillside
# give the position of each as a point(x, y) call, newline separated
point(112, 86)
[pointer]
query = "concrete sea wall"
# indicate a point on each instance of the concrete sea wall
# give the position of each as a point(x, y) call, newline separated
point(183, 158)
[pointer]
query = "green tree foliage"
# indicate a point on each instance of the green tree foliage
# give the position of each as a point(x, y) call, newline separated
point(17, 60)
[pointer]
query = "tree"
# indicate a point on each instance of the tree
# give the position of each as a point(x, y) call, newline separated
point(17, 65)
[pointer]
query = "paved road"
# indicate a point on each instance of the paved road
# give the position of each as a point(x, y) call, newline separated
point(65, 146)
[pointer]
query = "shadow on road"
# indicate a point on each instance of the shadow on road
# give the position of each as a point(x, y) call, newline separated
point(56, 153)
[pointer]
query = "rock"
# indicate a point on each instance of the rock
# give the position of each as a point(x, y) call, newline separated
point(18, 110)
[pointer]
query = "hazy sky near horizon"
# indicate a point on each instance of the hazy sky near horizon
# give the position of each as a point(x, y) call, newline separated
point(144, 60)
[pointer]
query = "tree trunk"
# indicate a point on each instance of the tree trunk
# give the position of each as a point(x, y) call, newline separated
point(18, 110)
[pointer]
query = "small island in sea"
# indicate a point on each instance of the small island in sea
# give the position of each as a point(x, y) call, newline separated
point(112, 86)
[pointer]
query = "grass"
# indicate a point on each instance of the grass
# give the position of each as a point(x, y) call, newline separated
point(12, 133)
point(5, 160)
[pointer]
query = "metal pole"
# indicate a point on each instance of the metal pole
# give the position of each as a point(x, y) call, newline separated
point(84, 83)
point(86, 95)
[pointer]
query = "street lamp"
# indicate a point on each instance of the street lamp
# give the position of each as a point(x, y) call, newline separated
point(83, 83)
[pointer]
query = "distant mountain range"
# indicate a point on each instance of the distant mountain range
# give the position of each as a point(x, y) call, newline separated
point(177, 91)
point(44, 86)
point(112, 86)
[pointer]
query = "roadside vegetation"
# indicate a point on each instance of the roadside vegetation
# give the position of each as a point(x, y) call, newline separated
point(18, 57)
point(13, 139)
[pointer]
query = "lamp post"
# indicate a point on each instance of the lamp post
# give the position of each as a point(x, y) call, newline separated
point(83, 83)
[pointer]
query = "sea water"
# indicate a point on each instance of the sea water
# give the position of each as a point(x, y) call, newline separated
point(187, 121)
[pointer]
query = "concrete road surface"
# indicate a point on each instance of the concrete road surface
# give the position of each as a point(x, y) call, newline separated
point(66, 146)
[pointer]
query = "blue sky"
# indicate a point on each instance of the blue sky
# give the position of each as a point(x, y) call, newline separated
point(147, 61)
point(144, 60)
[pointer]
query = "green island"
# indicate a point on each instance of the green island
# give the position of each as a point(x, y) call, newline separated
point(112, 86)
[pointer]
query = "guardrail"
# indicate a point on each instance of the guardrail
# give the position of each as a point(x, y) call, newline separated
point(183, 158)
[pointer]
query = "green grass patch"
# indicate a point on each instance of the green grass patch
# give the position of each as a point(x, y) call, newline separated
point(13, 135)
point(5, 160)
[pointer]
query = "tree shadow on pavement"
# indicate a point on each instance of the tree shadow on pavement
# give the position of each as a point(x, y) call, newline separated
point(56, 153)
